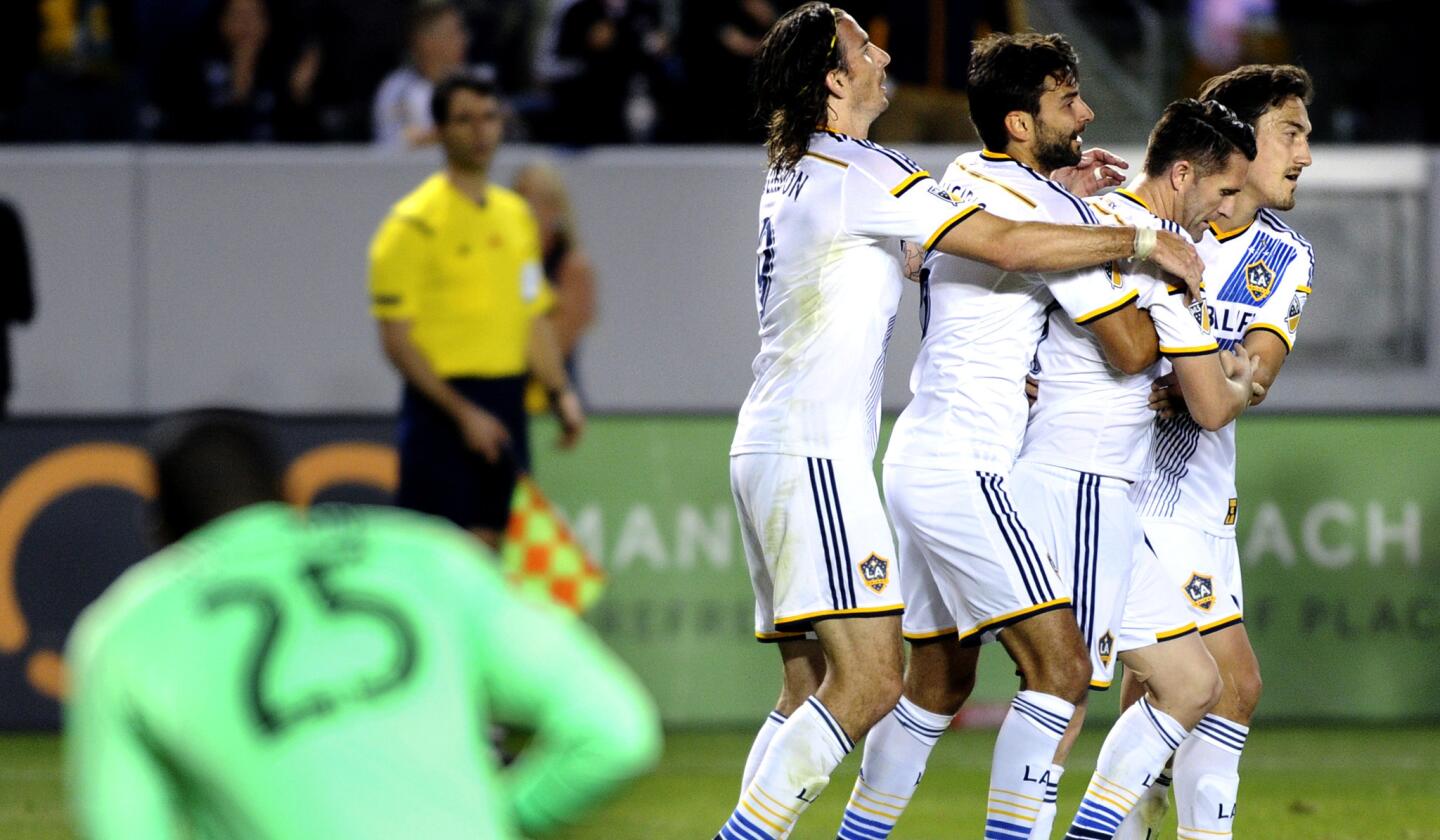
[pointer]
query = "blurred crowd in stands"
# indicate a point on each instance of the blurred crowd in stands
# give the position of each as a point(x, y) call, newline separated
point(579, 72)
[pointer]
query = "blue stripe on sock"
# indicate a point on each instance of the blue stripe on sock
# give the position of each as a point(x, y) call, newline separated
point(751, 828)
point(734, 829)
point(855, 825)
point(909, 722)
point(851, 816)
point(1040, 717)
point(1078, 833)
point(1165, 735)
point(849, 832)
point(1236, 729)
point(1095, 815)
point(1001, 830)
point(778, 718)
point(845, 742)
point(1045, 713)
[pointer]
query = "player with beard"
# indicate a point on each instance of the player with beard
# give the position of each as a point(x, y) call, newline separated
point(974, 570)
point(1259, 274)
point(819, 549)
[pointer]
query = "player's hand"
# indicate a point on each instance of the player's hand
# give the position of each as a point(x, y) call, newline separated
point(1166, 398)
point(1097, 170)
point(1032, 389)
point(1240, 366)
point(482, 432)
point(572, 417)
point(1177, 255)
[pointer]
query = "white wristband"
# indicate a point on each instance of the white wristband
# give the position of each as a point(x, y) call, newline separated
point(1145, 239)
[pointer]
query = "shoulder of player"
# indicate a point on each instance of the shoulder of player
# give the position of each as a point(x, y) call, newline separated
point(1304, 252)
point(1049, 200)
point(123, 604)
point(420, 207)
point(891, 170)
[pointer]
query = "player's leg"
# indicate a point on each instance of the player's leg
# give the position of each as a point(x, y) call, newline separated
point(1144, 822)
point(938, 680)
point(1024, 773)
point(803, 668)
point(1207, 765)
point(824, 517)
point(1181, 684)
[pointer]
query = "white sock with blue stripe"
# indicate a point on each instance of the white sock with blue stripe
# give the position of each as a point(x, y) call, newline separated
point(1020, 773)
point(1207, 778)
point(1045, 820)
point(795, 769)
point(896, 751)
point(1134, 753)
point(763, 738)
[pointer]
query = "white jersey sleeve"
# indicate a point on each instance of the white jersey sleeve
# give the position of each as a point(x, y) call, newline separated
point(889, 195)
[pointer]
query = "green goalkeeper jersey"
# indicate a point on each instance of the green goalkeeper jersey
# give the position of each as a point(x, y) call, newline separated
point(278, 675)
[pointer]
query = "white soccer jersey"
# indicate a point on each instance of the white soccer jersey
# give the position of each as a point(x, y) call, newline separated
point(828, 281)
point(981, 325)
point(1091, 417)
point(1258, 278)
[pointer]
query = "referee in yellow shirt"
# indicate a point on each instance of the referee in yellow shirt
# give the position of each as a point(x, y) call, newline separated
point(457, 287)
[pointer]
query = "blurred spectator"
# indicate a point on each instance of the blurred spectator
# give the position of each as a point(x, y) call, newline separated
point(929, 46)
point(85, 86)
point(17, 292)
point(567, 266)
point(359, 42)
point(603, 61)
point(245, 84)
point(438, 43)
point(718, 41)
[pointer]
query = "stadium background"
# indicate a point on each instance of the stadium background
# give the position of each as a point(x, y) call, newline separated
point(172, 276)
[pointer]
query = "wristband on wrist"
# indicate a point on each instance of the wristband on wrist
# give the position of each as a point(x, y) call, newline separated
point(1145, 239)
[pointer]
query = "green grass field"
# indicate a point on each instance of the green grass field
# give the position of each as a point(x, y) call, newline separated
point(1315, 784)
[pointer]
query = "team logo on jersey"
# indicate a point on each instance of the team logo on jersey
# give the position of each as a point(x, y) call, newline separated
point(1231, 510)
point(1201, 590)
point(1259, 280)
point(1292, 316)
point(956, 197)
point(1201, 313)
point(1105, 646)
point(876, 571)
point(1116, 281)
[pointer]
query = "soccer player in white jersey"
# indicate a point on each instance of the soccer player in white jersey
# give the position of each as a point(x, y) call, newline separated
point(973, 572)
point(819, 549)
point(1258, 273)
point(1089, 438)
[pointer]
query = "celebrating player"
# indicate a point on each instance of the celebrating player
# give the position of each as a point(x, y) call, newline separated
point(329, 675)
point(1090, 437)
point(1259, 274)
point(828, 282)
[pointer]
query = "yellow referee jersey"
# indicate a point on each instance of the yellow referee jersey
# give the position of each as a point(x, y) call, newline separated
point(467, 275)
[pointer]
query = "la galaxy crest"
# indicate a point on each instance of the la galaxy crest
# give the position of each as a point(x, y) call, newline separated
point(1200, 589)
point(1259, 280)
point(876, 572)
point(1105, 646)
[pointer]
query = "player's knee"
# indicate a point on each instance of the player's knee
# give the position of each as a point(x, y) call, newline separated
point(1248, 688)
point(1065, 675)
point(1205, 690)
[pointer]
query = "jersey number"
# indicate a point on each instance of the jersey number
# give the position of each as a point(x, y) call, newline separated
point(272, 718)
point(764, 266)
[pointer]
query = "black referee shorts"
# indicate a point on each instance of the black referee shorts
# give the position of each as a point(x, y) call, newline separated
point(440, 476)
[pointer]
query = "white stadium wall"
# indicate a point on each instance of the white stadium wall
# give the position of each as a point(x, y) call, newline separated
point(171, 277)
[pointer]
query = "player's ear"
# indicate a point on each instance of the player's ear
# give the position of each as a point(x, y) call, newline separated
point(1019, 125)
point(838, 83)
point(1181, 174)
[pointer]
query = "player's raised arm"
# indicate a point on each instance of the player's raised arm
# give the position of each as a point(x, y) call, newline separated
point(1044, 247)
point(595, 725)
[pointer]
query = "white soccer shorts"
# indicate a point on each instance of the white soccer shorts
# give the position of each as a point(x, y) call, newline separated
point(816, 541)
point(1204, 567)
point(971, 564)
point(1122, 599)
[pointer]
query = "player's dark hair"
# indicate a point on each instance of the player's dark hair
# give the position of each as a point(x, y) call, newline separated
point(789, 79)
point(1204, 133)
point(448, 86)
point(1253, 89)
point(1008, 73)
point(208, 463)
